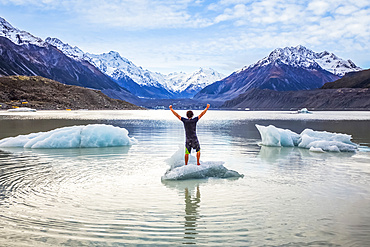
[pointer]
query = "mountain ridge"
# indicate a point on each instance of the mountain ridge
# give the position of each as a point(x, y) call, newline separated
point(360, 79)
point(301, 56)
point(24, 54)
point(318, 99)
point(165, 86)
point(284, 69)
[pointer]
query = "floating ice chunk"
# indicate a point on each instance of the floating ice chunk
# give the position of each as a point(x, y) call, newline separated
point(85, 136)
point(22, 109)
point(332, 142)
point(303, 110)
point(179, 171)
point(326, 141)
point(210, 169)
point(272, 136)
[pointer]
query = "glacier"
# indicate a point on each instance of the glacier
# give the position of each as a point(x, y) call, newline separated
point(208, 169)
point(315, 141)
point(83, 136)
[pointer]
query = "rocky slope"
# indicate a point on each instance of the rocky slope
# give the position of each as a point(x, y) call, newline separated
point(24, 54)
point(45, 94)
point(359, 79)
point(330, 99)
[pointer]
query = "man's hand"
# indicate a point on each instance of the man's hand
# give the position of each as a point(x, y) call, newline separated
point(204, 111)
point(175, 113)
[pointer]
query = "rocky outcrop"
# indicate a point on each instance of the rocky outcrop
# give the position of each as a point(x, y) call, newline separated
point(45, 94)
point(359, 79)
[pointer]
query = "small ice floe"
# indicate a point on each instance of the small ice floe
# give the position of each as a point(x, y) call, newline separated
point(303, 110)
point(310, 139)
point(208, 169)
point(85, 136)
point(22, 109)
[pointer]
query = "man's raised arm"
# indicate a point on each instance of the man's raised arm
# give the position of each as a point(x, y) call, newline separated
point(204, 111)
point(175, 113)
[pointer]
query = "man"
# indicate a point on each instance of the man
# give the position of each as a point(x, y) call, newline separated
point(190, 125)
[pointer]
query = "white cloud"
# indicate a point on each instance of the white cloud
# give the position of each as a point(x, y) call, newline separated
point(213, 34)
point(318, 7)
point(130, 14)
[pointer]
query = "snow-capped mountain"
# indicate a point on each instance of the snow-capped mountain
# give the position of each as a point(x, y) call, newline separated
point(284, 69)
point(187, 85)
point(21, 53)
point(193, 81)
point(149, 84)
point(72, 52)
point(17, 36)
point(302, 57)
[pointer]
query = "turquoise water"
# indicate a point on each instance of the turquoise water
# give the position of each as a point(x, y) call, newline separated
point(115, 196)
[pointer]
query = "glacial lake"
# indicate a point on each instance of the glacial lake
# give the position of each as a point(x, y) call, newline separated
point(114, 196)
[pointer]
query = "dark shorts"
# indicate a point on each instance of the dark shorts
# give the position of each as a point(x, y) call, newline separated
point(189, 144)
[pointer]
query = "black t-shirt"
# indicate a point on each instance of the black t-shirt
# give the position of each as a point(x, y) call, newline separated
point(190, 126)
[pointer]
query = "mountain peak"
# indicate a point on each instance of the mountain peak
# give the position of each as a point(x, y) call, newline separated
point(5, 25)
point(303, 57)
point(73, 52)
point(17, 36)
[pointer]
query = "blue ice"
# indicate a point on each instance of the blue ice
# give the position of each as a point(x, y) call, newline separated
point(84, 136)
point(316, 141)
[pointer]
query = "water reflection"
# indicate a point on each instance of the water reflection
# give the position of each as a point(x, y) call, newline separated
point(101, 153)
point(276, 154)
point(190, 189)
point(191, 215)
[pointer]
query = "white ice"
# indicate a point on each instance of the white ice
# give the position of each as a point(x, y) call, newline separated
point(22, 109)
point(84, 136)
point(207, 169)
point(310, 139)
point(304, 110)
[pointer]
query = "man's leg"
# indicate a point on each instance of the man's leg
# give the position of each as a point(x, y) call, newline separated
point(198, 158)
point(186, 159)
point(187, 152)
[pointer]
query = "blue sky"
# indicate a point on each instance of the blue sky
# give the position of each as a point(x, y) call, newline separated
point(182, 35)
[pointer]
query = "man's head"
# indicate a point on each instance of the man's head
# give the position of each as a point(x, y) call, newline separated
point(189, 114)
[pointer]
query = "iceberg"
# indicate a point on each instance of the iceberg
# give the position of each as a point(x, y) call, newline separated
point(84, 136)
point(208, 169)
point(272, 136)
point(303, 110)
point(315, 141)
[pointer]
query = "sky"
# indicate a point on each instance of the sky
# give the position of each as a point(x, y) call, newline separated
point(183, 35)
